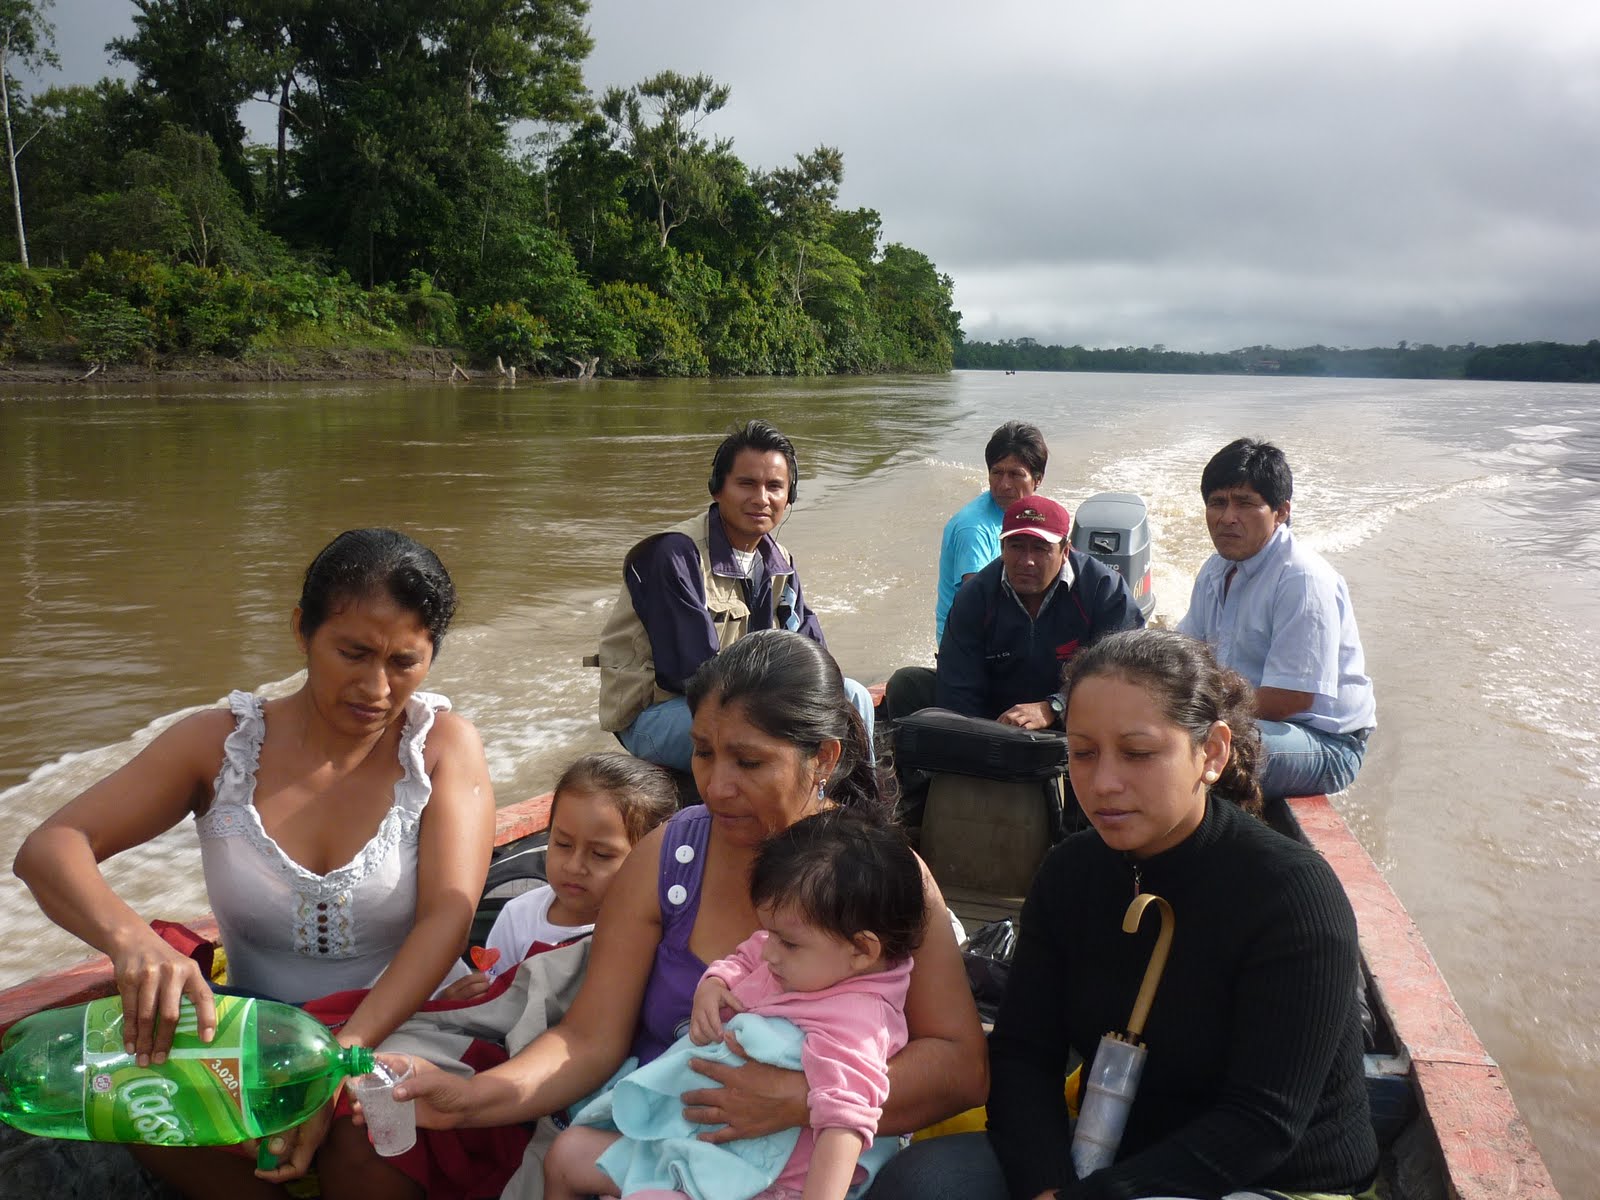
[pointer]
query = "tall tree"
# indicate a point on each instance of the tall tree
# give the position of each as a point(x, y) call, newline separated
point(400, 119)
point(202, 218)
point(201, 60)
point(800, 199)
point(26, 37)
point(80, 137)
point(657, 124)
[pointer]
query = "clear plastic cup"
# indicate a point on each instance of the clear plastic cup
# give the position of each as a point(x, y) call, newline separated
point(391, 1125)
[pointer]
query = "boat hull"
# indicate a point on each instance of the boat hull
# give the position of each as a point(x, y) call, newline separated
point(1467, 1141)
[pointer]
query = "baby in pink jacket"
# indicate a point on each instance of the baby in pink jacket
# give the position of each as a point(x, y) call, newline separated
point(840, 901)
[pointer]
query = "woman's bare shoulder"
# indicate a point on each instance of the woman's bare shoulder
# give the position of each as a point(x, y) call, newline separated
point(932, 896)
point(198, 738)
point(453, 733)
point(646, 853)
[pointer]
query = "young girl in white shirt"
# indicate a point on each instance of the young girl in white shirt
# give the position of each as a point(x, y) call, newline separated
point(603, 804)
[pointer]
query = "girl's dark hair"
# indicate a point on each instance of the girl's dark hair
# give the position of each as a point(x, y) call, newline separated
point(368, 562)
point(643, 793)
point(790, 688)
point(846, 873)
point(1192, 690)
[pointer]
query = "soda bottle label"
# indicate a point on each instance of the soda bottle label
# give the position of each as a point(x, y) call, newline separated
point(195, 1098)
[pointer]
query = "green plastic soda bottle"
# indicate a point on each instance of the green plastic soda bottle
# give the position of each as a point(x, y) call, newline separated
point(64, 1074)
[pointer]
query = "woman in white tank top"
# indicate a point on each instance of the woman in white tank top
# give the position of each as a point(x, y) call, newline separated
point(345, 834)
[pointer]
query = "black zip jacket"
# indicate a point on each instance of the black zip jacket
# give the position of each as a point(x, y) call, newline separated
point(994, 655)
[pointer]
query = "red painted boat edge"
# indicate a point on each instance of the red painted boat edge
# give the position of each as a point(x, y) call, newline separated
point(1484, 1145)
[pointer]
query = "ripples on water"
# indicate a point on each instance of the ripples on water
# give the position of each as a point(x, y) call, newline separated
point(154, 541)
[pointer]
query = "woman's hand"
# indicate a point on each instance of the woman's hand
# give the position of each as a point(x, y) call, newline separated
point(705, 1016)
point(152, 979)
point(443, 1100)
point(295, 1148)
point(750, 1100)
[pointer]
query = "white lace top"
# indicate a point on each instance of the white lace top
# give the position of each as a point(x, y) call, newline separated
point(291, 934)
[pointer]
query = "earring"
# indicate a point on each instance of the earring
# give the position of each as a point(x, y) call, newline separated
point(1210, 777)
point(821, 788)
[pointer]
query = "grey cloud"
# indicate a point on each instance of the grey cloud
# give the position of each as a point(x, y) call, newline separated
point(1197, 175)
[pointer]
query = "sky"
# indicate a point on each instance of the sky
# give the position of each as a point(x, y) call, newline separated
point(1161, 172)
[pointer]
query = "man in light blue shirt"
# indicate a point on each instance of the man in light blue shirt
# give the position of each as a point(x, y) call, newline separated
point(1280, 616)
point(1016, 456)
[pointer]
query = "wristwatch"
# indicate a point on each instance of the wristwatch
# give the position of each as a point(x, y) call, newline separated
point(1058, 706)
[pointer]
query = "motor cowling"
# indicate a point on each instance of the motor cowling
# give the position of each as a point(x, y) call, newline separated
point(1115, 528)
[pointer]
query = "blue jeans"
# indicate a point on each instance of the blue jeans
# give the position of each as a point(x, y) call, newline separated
point(1301, 761)
point(660, 734)
point(963, 1167)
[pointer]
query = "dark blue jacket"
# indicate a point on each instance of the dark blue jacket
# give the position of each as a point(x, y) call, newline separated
point(669, 595)
point(994, 655)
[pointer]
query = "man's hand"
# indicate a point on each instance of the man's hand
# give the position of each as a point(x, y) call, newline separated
point(1029, 716)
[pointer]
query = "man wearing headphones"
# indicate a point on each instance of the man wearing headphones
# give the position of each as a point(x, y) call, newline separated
point(697, 588)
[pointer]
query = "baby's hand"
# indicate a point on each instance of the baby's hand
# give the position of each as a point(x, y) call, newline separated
point(468, 987)
point(705, 1016)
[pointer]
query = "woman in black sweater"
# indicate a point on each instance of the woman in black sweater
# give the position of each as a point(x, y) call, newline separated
point(1253, 1080)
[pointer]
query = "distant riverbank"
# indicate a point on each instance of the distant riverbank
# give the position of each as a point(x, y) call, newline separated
point(1529, 362)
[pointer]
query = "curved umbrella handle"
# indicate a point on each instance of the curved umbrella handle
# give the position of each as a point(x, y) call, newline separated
point(1158, 958)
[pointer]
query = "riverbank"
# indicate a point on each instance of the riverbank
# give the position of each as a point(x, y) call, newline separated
point(306, 365)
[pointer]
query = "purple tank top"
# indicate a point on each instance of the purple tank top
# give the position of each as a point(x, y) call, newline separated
point(669, 994)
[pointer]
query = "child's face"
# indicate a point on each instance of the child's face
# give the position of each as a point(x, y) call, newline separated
point(803, 958)
point(588, 842)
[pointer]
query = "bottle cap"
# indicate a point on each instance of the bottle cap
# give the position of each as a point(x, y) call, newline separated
point(357, 1060)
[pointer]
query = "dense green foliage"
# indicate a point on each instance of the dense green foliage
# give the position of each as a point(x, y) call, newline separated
point(127, 307)
point(398, 206)
point(1547, 362)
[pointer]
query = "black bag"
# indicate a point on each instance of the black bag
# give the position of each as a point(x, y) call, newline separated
point(987, 957)
point(942, 742)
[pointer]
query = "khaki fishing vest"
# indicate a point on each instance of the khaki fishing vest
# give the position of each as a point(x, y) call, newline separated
point(627, 666)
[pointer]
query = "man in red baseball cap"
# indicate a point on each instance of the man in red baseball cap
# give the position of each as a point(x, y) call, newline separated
point(1016, 623)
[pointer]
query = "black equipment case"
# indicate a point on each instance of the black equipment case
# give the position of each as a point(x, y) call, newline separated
point(941, 742)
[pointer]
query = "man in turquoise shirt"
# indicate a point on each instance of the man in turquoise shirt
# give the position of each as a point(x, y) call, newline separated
point(1016, 456)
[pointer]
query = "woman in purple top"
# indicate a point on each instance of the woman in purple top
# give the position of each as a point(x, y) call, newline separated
point(775, 739)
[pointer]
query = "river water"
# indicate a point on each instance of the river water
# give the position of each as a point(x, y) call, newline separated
point(153, 539)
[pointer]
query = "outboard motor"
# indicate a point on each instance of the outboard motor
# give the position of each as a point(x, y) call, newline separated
point(1115, 528)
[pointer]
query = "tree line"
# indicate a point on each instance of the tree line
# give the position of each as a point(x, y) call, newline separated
point(1551, 362)
point(439, 175)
